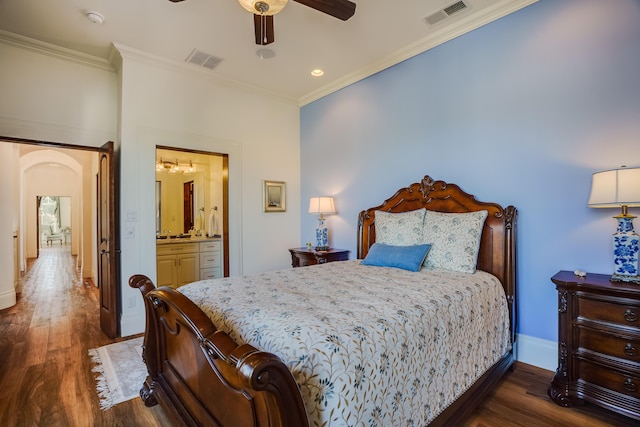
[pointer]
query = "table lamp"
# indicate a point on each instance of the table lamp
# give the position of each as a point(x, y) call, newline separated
point(322, 205)
point(620, 188)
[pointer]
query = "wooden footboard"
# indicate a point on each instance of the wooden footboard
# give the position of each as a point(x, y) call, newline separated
point(201, 377)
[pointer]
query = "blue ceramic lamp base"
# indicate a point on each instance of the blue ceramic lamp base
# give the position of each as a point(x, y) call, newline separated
point(322, 236)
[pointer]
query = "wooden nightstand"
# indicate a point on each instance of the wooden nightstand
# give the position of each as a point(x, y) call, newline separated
point(598, 343)
point(301, 257)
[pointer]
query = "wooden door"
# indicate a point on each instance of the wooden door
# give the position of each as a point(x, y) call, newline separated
point(38, 232)
point(189, 219)
point(108, 259)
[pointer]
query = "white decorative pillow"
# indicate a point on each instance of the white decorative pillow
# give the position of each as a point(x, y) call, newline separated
point(400, 229)
point(454, 239)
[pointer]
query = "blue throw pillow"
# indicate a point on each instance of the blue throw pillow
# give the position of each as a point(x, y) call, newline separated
point(405, 257)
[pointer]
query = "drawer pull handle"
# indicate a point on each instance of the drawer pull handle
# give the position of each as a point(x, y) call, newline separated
point(630, 350)
point(630, 385)
point(630, 316)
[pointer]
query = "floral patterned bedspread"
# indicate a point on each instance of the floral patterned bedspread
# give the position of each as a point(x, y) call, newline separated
point(369, 346)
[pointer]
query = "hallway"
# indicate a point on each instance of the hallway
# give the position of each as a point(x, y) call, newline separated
point(45, 371)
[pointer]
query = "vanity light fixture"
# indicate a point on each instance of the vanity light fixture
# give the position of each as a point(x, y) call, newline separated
point(175, 167)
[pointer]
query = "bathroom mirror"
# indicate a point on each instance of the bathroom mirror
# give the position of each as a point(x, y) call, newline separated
point(189, 190)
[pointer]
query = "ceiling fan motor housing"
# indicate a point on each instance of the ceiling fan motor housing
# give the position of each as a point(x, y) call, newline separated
point(263, 7)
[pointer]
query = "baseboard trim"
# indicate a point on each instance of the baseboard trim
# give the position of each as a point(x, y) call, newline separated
point(8, 298)
point(132, 324)
point(537, 352)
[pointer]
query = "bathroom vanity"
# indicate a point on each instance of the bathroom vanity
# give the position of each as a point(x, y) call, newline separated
point(182, 261)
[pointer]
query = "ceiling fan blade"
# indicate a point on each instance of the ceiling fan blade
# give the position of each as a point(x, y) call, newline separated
point(263, 26)
point(341, 9)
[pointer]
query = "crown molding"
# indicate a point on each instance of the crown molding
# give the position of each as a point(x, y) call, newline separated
point(448, 33)
point(129, 53)
point(52, 50)
point(117, 53)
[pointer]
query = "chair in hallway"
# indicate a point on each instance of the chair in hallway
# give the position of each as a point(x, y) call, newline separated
point(53, 234)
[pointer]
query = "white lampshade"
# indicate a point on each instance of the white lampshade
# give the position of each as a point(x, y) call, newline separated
point(615, 188)
point(258, 6)
point(321, 205)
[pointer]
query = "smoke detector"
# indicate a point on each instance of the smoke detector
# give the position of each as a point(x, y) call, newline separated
point(95, 17)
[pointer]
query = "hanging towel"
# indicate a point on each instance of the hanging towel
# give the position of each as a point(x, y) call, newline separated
point(213, 226)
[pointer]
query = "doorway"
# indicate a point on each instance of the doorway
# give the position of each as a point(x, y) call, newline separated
point(192, 196)
point(67, 174)
point(54, 220)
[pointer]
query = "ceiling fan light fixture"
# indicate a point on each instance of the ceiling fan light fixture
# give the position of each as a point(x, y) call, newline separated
point(263, 7)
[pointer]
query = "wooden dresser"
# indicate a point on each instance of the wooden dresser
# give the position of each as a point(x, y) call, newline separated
point(301, 257)
point(598, 343)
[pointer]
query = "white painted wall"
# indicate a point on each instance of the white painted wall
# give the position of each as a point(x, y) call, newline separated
point(50, 97)
point(183, 107)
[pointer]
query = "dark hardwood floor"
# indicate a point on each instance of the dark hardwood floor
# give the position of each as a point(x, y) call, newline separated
point(46, 377)
point(45, 370)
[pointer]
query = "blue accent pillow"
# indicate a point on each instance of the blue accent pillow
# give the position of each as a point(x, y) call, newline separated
point(405, 257)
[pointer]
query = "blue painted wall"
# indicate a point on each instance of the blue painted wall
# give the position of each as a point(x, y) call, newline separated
point(521, 111)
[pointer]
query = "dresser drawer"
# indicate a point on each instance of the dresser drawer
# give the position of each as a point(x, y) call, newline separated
point(212, 246)
point(210, 273)
point(624, 315)
point(627, 349)
point(607, 378)
point(177, 248)
point(209, 259)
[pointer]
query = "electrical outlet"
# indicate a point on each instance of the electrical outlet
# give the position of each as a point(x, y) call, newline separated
point(132, 302)
point(130, 232)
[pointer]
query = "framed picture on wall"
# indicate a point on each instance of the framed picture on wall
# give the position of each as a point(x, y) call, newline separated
point(274, 196)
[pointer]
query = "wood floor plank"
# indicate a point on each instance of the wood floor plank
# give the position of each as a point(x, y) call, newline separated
point(38, 344)
point(46, 376)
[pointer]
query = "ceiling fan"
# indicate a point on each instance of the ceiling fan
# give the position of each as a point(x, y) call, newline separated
point(263, 11)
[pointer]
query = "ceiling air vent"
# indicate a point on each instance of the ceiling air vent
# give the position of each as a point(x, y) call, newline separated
point(203, 59)
point(440, 15)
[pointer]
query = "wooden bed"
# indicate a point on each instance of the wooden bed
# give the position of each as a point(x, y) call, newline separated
point(201, 377)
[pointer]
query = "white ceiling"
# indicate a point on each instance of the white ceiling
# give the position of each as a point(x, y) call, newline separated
point(380, 34)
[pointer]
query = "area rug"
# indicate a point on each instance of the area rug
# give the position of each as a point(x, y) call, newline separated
point(121, 371)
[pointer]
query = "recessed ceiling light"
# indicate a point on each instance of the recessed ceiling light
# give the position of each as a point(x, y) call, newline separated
point(95, 17)
point(317, 73)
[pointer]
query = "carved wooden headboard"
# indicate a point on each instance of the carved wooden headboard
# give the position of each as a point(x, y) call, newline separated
point(498, 244)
